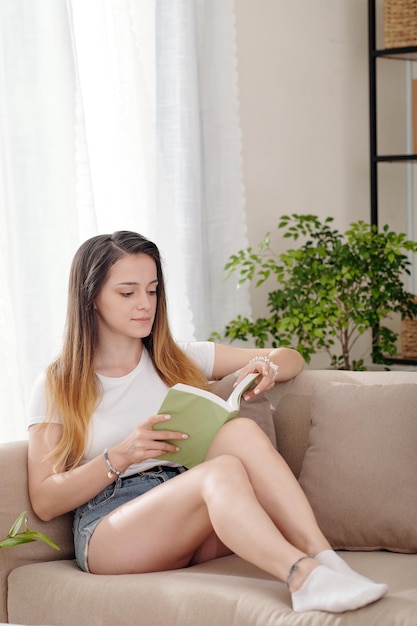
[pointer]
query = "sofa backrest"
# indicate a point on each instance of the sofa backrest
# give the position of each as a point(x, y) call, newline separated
point(291, 403)
point(14, 499)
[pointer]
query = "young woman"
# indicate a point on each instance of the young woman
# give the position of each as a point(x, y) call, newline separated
point(92, 447)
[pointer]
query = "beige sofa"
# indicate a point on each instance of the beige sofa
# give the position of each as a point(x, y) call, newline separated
point(358, 465)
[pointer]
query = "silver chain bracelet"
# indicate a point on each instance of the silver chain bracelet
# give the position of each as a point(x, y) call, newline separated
point(113, 472)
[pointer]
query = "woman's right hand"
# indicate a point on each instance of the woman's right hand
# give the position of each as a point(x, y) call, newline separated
point(145, 443)
point(53, 494)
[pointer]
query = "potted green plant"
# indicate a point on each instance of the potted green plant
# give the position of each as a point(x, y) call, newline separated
point(15, 538)
point(329, 290)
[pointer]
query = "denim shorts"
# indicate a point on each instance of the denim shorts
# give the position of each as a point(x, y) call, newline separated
point(88, 515)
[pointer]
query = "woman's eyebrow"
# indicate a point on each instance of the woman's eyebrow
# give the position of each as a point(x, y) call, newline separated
point(126, 283)
point(132, 282)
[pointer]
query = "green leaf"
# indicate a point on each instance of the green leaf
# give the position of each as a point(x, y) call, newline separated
point(329, 289)
point(15, 538)
point(36, 535)
point(17, 524)
point(9, 542)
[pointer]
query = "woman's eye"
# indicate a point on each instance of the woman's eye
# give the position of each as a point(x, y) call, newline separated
point(126, 294)
point(152, 292)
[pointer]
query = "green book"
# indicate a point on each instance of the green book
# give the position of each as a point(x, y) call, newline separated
point(199, 414)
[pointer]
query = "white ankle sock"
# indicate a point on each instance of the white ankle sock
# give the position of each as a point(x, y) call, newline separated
point(327, 590)
point(332, 560)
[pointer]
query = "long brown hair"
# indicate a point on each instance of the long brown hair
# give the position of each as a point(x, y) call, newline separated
point(72, 387)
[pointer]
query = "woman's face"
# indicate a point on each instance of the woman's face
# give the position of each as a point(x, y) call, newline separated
point(126, 304)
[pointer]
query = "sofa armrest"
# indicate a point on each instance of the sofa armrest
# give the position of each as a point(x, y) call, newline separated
point(14, 498)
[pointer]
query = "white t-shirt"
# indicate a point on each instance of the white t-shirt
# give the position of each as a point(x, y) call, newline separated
point(126, 402)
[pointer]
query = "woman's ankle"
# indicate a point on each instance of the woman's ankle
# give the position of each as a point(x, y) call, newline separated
point(299, 571)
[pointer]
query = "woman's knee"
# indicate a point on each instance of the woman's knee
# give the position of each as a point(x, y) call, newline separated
point(224, 476)
point(246, 429)
point(246, 423)
point(224, 465)
point(221, 472)
point(239, 436)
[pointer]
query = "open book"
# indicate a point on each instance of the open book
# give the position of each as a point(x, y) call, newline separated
point(199, 414)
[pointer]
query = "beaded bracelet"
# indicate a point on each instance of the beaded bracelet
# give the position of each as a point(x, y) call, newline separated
point(265, 359)
point(113, 472)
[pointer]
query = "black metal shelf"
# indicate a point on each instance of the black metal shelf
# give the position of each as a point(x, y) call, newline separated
point(399, 361)
point(408, 53)
point(391, 158)
point(374, 54)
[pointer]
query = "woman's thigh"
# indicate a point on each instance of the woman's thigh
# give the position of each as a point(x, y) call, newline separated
point(159, 530)
point(89, 515)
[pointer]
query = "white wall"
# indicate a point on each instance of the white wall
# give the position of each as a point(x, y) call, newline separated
point(303, 80)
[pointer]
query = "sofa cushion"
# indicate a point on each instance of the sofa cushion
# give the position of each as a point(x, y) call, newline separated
point(223, 591)
point(226, 591)
point(359, 471)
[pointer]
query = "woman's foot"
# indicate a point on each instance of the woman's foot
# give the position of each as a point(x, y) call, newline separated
point(333, 561)
point(324, 589)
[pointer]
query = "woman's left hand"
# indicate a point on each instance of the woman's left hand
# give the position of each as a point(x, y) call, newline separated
point(266, 379)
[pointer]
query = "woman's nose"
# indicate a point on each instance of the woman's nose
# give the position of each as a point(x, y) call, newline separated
point(142, 302)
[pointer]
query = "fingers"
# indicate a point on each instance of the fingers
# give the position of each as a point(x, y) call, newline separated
point(145, 443)
point(265, 381)
point(159, 440)
point(160, 433)
point(150, 447)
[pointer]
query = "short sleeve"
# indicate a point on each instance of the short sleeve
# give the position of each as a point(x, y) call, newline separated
point(202, 353)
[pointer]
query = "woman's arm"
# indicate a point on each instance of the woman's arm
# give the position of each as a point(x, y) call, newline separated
point(54, 494)
point(228, 359)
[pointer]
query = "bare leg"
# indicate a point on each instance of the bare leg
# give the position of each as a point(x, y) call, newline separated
point(274, 484)
point(312, 587)
point(163, 528)
point(211, 548)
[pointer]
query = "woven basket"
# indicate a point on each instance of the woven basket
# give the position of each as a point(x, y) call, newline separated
point(400, 23)
point(409, 337)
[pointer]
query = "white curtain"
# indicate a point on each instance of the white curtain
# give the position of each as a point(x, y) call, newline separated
point(114, 114)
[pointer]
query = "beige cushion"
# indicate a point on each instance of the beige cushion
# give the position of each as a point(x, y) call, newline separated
point(360, 469)
point(222, 592)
